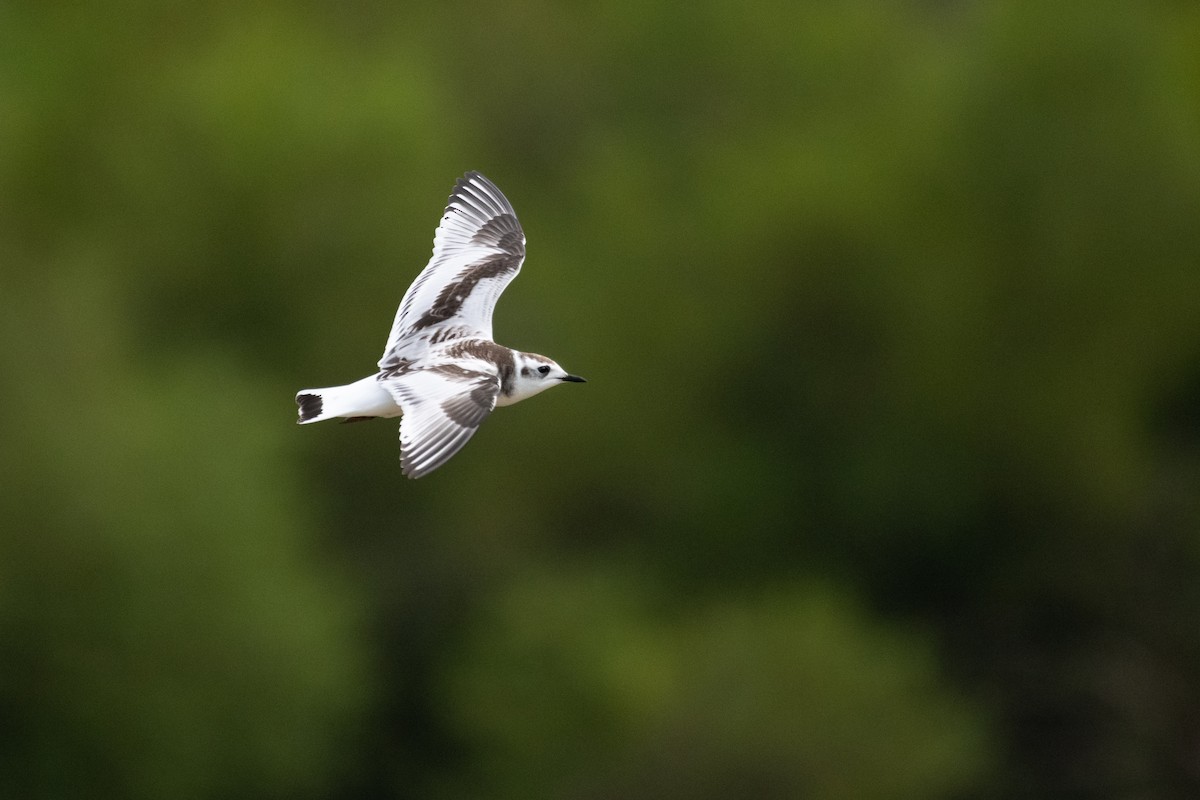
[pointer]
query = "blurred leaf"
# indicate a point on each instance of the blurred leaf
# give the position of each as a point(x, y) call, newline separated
point(575, 685)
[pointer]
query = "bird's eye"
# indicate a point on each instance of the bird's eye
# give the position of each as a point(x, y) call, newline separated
point(543, 369)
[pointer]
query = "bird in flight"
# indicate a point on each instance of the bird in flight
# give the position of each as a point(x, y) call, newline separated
point(440, 368)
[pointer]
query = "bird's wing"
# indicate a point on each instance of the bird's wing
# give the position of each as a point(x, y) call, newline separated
point(477, 251)
point(443, 406)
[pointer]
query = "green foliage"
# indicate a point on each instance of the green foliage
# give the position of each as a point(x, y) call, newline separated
point(893, 299)
point(596, 694)
point(164, 629)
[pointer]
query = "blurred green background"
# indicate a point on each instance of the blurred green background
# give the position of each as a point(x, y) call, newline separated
point(886, 482)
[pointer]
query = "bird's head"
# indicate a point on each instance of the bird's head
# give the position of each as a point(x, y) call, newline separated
point(534, 374)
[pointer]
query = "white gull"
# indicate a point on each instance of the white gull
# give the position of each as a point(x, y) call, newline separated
point(440, 368)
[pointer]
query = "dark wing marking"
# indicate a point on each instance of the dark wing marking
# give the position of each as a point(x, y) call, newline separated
point(443, 407)
point(477, 250)
point(454, 295)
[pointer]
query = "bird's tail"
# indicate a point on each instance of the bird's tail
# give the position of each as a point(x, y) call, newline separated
point(312, 405)
point(333, 401)
point(361, 399)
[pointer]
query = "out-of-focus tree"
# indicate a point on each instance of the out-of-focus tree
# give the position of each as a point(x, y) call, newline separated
point(165, 629)
point(574, 685)
point(893, 298)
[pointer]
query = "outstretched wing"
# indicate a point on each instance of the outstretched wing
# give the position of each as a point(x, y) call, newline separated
point(443, 407)
point(477, 251)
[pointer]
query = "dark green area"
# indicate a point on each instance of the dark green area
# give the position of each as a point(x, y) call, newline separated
point(886, 482)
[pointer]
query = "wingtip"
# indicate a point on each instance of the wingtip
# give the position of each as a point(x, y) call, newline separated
point(407, 471)
point(463, 187)
point(474, 176)
point(466, 179)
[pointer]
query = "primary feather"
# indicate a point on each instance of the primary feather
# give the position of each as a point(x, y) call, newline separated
point(477, 250)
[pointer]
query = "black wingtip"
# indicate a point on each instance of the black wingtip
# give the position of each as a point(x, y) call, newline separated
point(310, 406)
point(465, 180)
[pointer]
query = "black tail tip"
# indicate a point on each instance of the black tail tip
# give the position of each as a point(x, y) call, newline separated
point(310, 406)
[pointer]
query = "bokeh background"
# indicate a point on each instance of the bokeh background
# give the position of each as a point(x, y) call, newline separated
point(886, 482)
